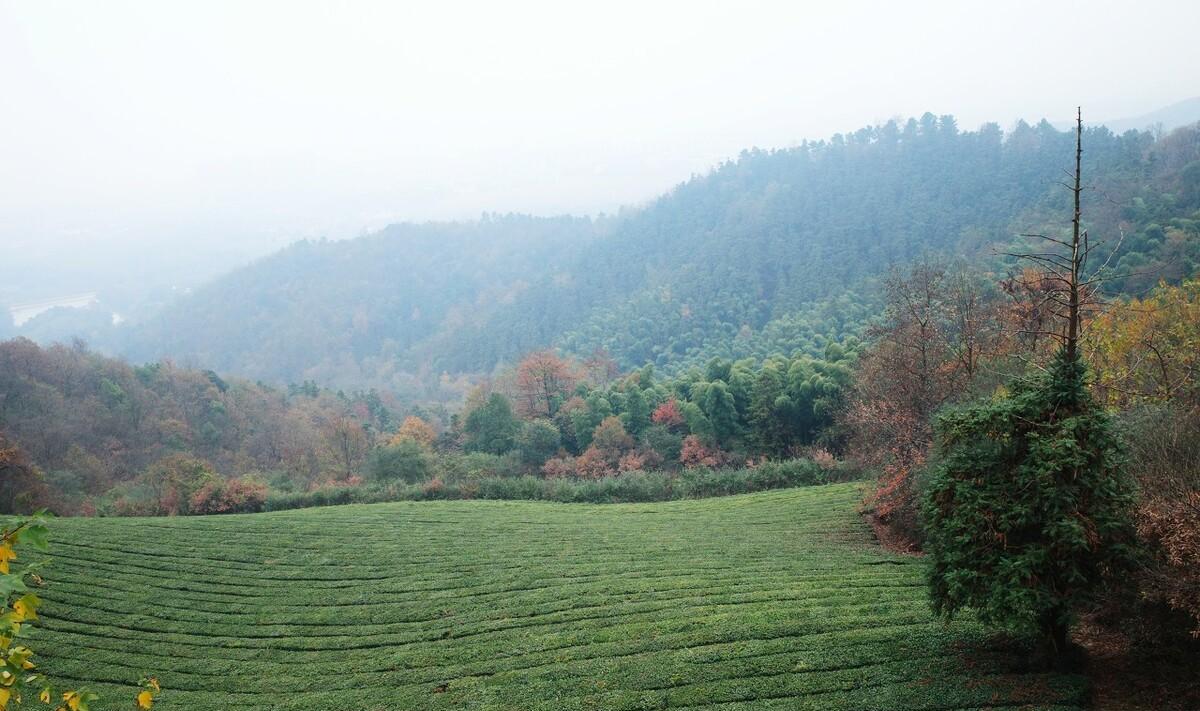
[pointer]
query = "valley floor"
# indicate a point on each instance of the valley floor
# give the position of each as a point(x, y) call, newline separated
point(777, 600)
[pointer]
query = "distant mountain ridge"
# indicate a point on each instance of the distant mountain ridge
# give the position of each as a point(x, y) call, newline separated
point(1164, 119)
point(774, 251)
point(1167, 118)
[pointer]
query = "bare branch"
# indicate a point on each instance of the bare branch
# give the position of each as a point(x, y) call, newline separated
point(1048, 239)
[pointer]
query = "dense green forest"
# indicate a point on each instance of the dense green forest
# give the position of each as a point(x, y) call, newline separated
point(363, 310)
point(775, 252)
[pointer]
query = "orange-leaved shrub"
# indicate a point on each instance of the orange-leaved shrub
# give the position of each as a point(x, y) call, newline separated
point(696, 454)
point(1172, 528)
point(1164, 449)
point(232, 496)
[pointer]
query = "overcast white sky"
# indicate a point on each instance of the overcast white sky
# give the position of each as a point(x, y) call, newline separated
point(194, 124)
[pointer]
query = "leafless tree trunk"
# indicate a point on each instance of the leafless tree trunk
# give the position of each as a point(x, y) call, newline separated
point(1076, 256)
point(1070, 293)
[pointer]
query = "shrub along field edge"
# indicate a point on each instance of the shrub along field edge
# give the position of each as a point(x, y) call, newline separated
point(627, 487)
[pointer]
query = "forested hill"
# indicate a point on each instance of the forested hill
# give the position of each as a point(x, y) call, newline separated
point(356, 311)
point(774, 251)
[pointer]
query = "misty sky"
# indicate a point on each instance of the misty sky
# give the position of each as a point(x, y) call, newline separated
point(180, 126)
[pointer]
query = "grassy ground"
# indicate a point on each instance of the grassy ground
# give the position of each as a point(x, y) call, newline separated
point(776, 600)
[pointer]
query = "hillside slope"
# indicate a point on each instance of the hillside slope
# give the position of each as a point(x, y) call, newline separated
point(774, 251)
point(767, 601)
point(344, 312)
point(91, 423)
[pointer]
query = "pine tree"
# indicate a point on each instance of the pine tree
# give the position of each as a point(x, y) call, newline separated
point(1028, 512)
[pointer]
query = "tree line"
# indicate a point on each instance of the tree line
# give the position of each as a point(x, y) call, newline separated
point(84, 433)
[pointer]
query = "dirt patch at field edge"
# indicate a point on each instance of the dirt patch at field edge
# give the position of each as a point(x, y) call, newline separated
point(891, 539)
point(1125, 678)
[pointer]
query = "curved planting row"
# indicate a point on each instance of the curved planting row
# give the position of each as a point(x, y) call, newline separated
point(772, 600)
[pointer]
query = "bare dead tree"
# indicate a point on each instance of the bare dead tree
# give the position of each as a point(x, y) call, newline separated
point(1077, 258)
point(1066, 293)
point(913, 310)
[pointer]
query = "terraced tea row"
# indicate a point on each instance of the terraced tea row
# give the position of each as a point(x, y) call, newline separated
point(773, 600)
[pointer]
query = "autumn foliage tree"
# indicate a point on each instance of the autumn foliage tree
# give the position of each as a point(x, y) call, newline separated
point(668, 415)
point(610, 442)
point(346, 444)
point(543, 381)
point(940, 324)
point(1148, 350)
point(414, 429)
point(600, 367)
point(173, 481)
point(695, 453)
point(21, 484)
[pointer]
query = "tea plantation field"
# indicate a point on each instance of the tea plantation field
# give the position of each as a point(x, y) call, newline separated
point(777, 600)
